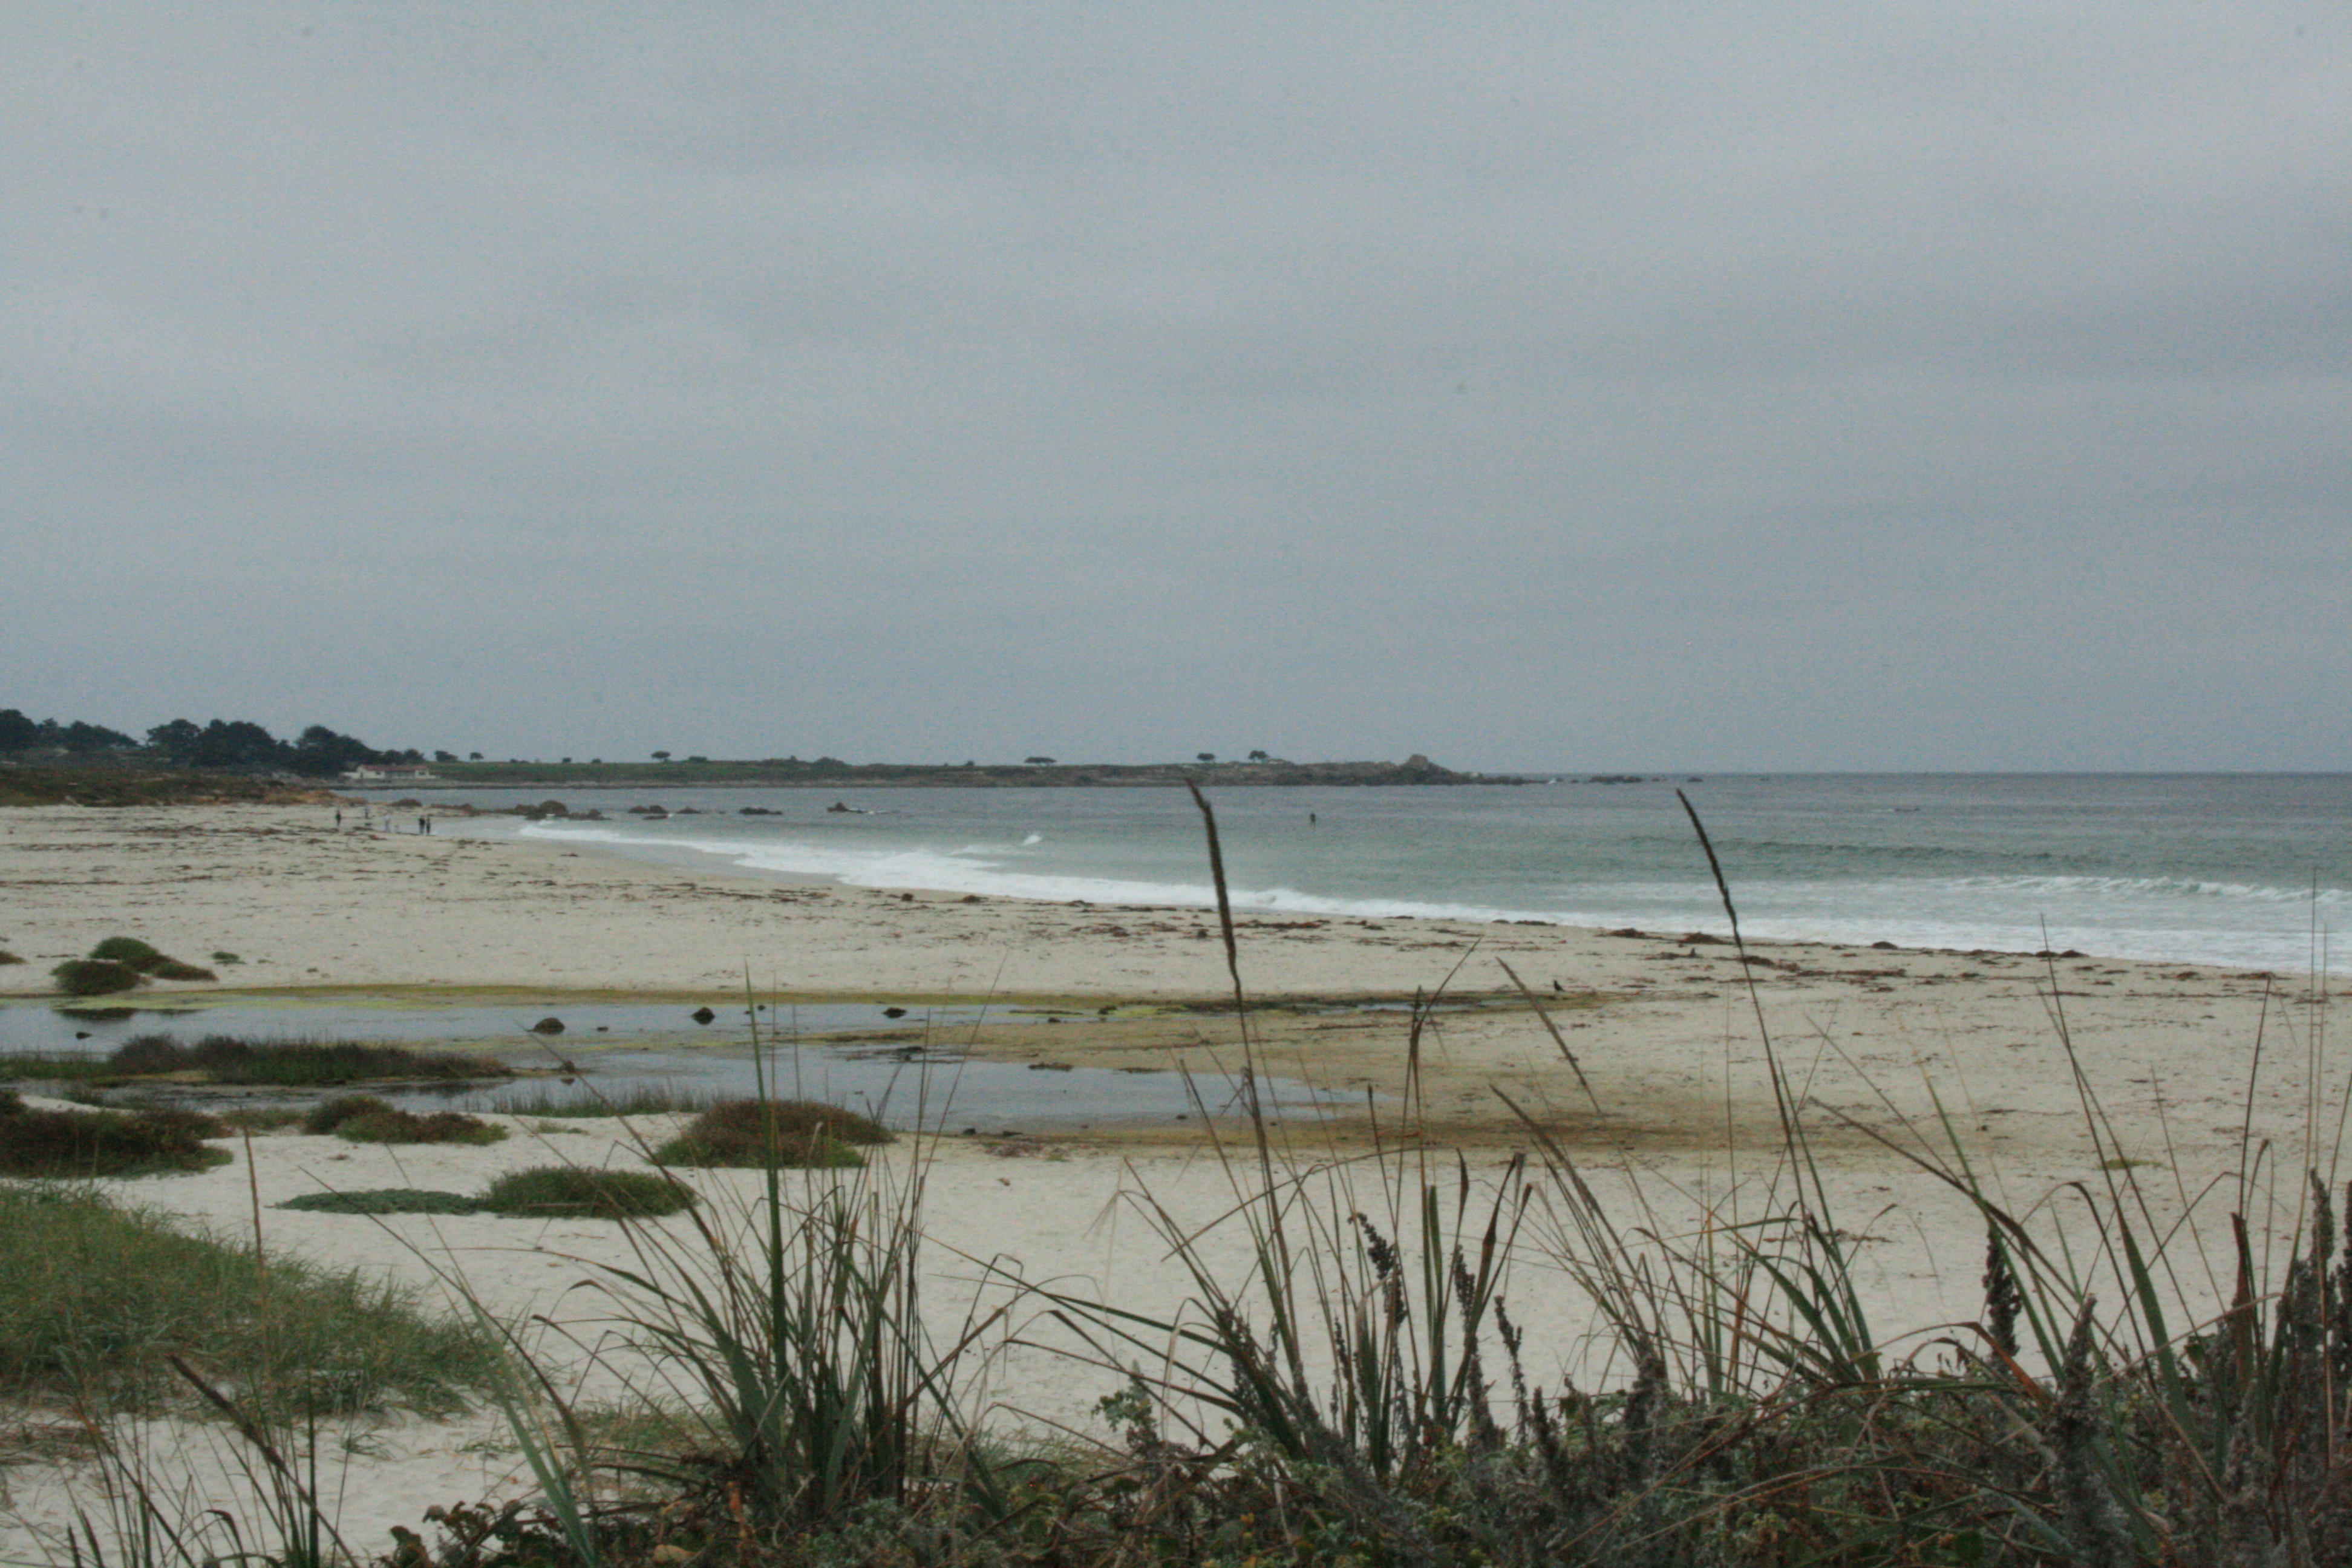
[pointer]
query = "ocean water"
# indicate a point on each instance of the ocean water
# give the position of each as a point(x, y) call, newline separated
point(2252, 870)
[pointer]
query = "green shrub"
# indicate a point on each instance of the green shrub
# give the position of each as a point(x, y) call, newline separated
point(179, 1119)
point(173, 968)
point(94, 976)
point(127, 951)
point(85, 1144)
point(568, 1192)
point(799, 1134)
point(7, 958)
point(263, 1118)
point(366, 1118)
point(383, 1200)
point(227, 958)
point(10, 1102)
point(407, 1126)
point(328, 1115)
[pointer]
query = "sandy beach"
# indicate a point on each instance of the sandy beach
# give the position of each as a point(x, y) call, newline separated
point(1674, 1117)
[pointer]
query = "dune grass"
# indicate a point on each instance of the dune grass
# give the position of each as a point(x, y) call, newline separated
point(95, 1293)
point(83, 1145)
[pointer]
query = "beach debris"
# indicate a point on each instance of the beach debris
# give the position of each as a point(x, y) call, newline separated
point(548, 1026)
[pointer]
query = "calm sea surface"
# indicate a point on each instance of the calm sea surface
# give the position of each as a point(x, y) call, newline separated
point(2246, 870)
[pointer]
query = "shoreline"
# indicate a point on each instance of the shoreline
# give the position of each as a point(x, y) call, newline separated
point(1675, 1121)
point(1663, 1028)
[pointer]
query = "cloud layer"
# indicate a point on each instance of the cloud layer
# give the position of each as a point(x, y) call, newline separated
point(1565, 386)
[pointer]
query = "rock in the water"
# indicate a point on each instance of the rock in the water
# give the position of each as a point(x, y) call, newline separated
point(702, 1015)
point(548, 1026)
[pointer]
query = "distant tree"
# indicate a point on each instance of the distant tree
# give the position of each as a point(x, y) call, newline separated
point(694, 758)
point(177, 739)
point(319, 753)
point(444, 756)
point(1039, 762)
point(661, 756)
point(473, 756)
point(1259, 757)
point(239, 743)
point(17, 734)
point(1207, 756)
point(78, 736)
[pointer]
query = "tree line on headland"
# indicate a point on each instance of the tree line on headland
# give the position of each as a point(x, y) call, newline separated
point(240, 747)
point(231, 745)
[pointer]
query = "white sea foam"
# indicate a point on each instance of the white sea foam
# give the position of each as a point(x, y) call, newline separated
point(1109, 860)
point(969, 869)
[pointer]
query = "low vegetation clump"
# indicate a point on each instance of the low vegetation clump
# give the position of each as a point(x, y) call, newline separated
point(552, 1192)
point(301, 1063)
point(576, 1191)
point(366, 1118)
point(95, 977)
point(127, 949)
point(7, 958)
point(263, 1118)
point(92, 1289)
point(756, 1135)
point(383, 1200)
point(122, 963)
point(643, 1099)
point(81, 1144)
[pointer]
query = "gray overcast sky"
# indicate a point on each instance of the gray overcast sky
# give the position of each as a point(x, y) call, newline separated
point(1585, 385)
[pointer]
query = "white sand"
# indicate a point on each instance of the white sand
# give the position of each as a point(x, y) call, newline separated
point(1665, 1033)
